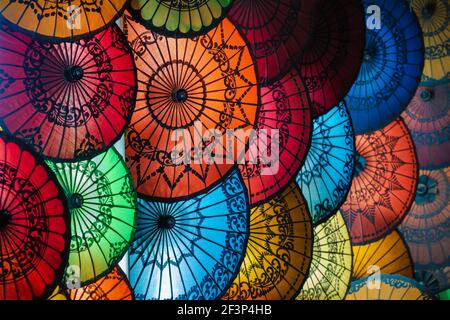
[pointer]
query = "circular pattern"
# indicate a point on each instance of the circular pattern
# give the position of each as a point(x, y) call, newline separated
point(384, 183)
point(70, 100)
point(279, 250)
point(104, 214)
point(34, 228)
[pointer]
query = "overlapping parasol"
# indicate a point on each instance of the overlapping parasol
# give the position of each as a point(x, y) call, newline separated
point(190, 249)
point(326, 176)
point(391, 67)
point(279, 250)
point(34, 228)
point(102, 203)
point(68, 100)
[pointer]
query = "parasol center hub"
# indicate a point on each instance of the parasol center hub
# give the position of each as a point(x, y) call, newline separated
point(426, 95)
point(166, 222)
point(76, 201)
point(360, 164)
point(5, 219)
point(429, 10)
point(427, 190)
point(73, 73)
point(369, 54)
point(179, 95)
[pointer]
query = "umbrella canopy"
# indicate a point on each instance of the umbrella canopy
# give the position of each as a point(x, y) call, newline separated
point(279, 250)
point(391, 67)
point(326, 176)
point(68, 100)
point(389, 254)
point(191, 90)
point(180, 18)
point(426, 228)
point(61, 20)
point(102, 203)
point(277, 30)
point(391, 287)
point(331, 61)
point(434, 19)
point(444, 295)
point(428, 120)
point(113, 286)
point(190, 249)
point(34, 227)
point(58, 294)
point(384, 183)
point(331, 268)
point(284, 107)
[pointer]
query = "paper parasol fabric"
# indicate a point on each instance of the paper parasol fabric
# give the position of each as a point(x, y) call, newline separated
point(102, 203)
point(113, 286)
point(186, 88)
point(279, 250)
point(277, 30)
point(428, 119)
point(326, 176)
point(34, 226)
point(330, 62)
point(389, 255)
point(285, 107)
point(58, 295)
point(426, 228)
point(444, 295)
point(190, 249)
point(384, 183)
point(331, 268)
point(434, 19)
point(58, 20)
point(180, 18)
point(391, 68)
point(391, 287)
point(68, 100)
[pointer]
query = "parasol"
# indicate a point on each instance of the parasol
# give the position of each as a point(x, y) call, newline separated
point(34, 233)
point(428, 119)
point(331, 268)
point(58, 295)
point(279, 250)
point(384, 183)
point(69, 100)
point(426, 229)
point(284, 107)
point(102, 203)
point(277, 30)
point(389, 255)
point(331, 61)
point(326, 176)
point(113, 286)
point(391, 287)
point(391, 67)
point(444, 295)
point(180, 18)
point(67, 20)
point(434, 19)
point(191, 92)
point(190, 249)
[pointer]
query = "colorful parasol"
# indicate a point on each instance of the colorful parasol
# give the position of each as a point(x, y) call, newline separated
point(284, 107)
point(326, 176)
point(69, 100)
point(444, 295)
point(426, 229)
point(387, 287)
point(434, 19)
point(180, 18)
point(190, 92)
point(330, 63)
point(384, 183)
point(67, 20)
point(331, 268)
point(389, 255)
point(102, 203)
point(113, 286)
point(391, 67)
point(277, 30)
point(58, 295)
point(190, 249)
point(34, 228)
point(428, 120)
point(279, 250)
